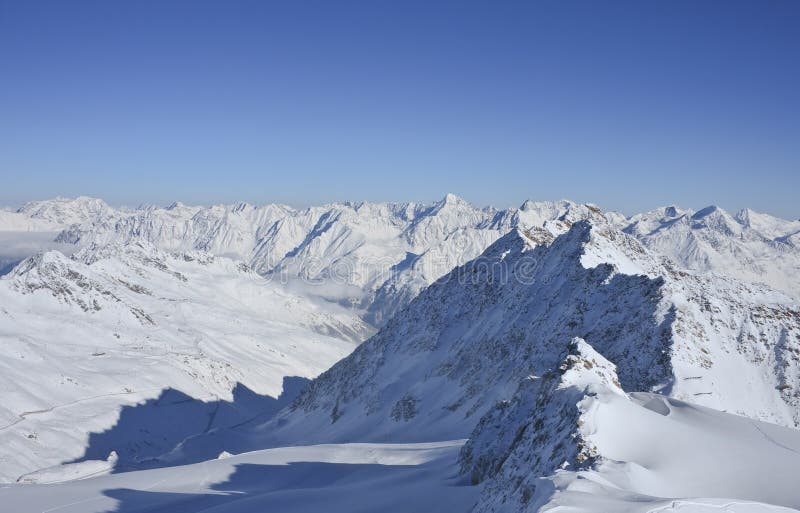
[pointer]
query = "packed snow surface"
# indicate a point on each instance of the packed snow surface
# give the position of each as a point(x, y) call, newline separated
point(334, 478)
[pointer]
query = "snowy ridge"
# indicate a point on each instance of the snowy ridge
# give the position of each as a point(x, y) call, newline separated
point(770, 226)
point(20, 222)
point(355, 246)
point(574, 441)
point(554, 409)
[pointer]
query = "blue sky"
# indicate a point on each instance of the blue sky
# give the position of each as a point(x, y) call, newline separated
point(630, 105)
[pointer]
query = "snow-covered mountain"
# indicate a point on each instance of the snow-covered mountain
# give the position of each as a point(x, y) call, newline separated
point(86, 337)
point(495, 332)
point(748, 246)
point(64, 212)
point(467, 341)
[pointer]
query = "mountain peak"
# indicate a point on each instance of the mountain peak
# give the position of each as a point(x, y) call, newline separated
point(451, 199)
point(39, 260)
point(584, 366)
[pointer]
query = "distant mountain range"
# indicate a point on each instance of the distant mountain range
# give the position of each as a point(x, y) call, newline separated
point(380, 255)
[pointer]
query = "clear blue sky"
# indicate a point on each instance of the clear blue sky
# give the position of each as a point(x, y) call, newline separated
point(629, 105)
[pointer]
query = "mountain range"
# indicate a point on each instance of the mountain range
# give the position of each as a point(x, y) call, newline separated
point(567, 358)
point(380, 255)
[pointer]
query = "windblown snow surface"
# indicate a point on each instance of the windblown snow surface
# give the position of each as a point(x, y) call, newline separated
point(584, 361)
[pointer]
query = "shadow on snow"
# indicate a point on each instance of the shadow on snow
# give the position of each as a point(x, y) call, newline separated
point(311, 486)
point(176, 429)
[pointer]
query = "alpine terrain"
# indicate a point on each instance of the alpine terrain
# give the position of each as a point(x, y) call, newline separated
point(417, 357)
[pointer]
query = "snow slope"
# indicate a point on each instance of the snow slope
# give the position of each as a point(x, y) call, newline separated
point(117, 337)
point(334, 478)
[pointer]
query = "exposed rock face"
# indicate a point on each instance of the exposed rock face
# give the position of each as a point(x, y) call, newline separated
point(540, 430)
point(573, 440)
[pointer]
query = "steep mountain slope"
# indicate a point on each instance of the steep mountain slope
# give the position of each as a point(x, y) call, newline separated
point(467, 341)
point(769, 226)
point(462, 245)
point(86, 337)
point(573, 440)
